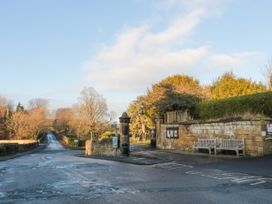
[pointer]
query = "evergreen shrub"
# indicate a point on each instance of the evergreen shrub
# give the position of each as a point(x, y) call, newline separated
point(260, 103)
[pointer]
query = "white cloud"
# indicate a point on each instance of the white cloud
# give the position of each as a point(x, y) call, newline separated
point(233, 60)
point(140, 56)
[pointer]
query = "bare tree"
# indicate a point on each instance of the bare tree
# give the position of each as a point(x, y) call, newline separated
point(28, 124)
point(38, 103)
point(89, 113)
point(63, 118)
point(267, 73)
point(3, 106)
point(19, 125)
point(92, 106)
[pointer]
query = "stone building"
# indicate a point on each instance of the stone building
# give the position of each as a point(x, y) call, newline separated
point(177, 131)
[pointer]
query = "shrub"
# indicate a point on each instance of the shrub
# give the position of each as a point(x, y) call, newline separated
point(260, 103)
point(105, 135)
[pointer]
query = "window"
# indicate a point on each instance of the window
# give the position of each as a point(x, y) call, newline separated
point(172, 132)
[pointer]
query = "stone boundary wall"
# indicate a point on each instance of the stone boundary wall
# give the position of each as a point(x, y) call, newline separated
point(17, 141)
point(15, 146)
point(251, 131)
point(100, 148)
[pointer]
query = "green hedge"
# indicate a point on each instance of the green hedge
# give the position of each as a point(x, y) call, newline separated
point(260, 103)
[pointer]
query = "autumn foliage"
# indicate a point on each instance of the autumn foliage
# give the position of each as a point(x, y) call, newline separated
point(182, 92)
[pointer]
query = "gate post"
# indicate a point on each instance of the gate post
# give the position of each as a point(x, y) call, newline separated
point(124, 132)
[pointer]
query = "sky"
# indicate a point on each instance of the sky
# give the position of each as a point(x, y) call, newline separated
point(53, 48)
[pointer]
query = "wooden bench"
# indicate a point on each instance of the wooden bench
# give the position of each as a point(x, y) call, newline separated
point(208, 144)
point(236, 145)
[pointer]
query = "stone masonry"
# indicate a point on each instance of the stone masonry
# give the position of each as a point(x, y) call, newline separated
point(256, 144)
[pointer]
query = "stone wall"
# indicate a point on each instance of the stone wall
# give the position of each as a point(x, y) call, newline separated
point(15, 146)
point(251, 131)
point(102, 148)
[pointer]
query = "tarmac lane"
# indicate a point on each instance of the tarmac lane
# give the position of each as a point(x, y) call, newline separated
point(56, 175)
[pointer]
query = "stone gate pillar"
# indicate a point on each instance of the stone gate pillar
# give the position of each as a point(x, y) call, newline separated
point(159, 121)
point(124, 133)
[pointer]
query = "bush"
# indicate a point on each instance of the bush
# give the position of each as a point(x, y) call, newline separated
point(260, 103)
point(106, 135)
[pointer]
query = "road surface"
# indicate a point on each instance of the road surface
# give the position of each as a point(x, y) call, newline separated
point(56, 175)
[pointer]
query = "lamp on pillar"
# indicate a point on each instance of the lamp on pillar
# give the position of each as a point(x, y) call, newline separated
point(124, 139)
point(142, 109)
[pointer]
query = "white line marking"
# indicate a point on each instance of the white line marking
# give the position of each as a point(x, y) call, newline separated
point(257, 183)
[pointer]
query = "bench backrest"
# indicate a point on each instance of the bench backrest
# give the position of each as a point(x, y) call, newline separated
point(206, 142)
point(231, 143)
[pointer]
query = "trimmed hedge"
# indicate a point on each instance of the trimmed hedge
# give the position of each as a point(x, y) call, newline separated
point(260, 103)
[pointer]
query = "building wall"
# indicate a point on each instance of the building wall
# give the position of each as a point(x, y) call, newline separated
point(251, 131)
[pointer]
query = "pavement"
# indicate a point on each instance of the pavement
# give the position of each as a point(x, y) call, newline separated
point(142, 154)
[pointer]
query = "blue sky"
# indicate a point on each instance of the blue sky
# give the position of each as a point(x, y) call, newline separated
point(52, 49)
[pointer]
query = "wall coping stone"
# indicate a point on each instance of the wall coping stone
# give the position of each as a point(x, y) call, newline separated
point(195, 122)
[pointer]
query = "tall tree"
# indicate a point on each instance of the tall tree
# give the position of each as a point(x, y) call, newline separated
point(89, 113)
point(39, 103)
point(267, 72)
point(174, 92)
point(228, 85)
point(63, 118)
point(27, 124)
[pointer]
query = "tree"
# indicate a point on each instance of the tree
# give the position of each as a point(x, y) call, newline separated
point(63, 118)
point(20, 108)
point(38, 103)
point(267, 72)
point(3, 117)
point(183, 84)
point(38, 122)
point(3, 107)
point(138, 118)
point(89, 113)
point(228, 85)
point(178, 92)
point(27, 124)
point(19, 125)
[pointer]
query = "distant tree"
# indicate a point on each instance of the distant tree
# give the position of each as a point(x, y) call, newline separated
point(38, 122)
point(267, 72)
point(139, 117)
point(3, 117)
point(38, 103)
point(63, 118)
point(27, 124)
point(228, 85)
point(20, 108)
point(19, 125)
point(90, 113)
point(3, 107)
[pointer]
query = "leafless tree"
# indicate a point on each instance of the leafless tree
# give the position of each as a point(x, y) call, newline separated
point(267, 73)
point(38, 103)
point(29, 124)
point(63, 118)
point(89, 113)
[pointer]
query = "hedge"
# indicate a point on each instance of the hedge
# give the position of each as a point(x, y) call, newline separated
point(260, 103)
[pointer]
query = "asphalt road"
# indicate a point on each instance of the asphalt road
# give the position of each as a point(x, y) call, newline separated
point(56, 175)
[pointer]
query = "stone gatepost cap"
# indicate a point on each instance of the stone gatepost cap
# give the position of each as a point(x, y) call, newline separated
point(124, 118)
